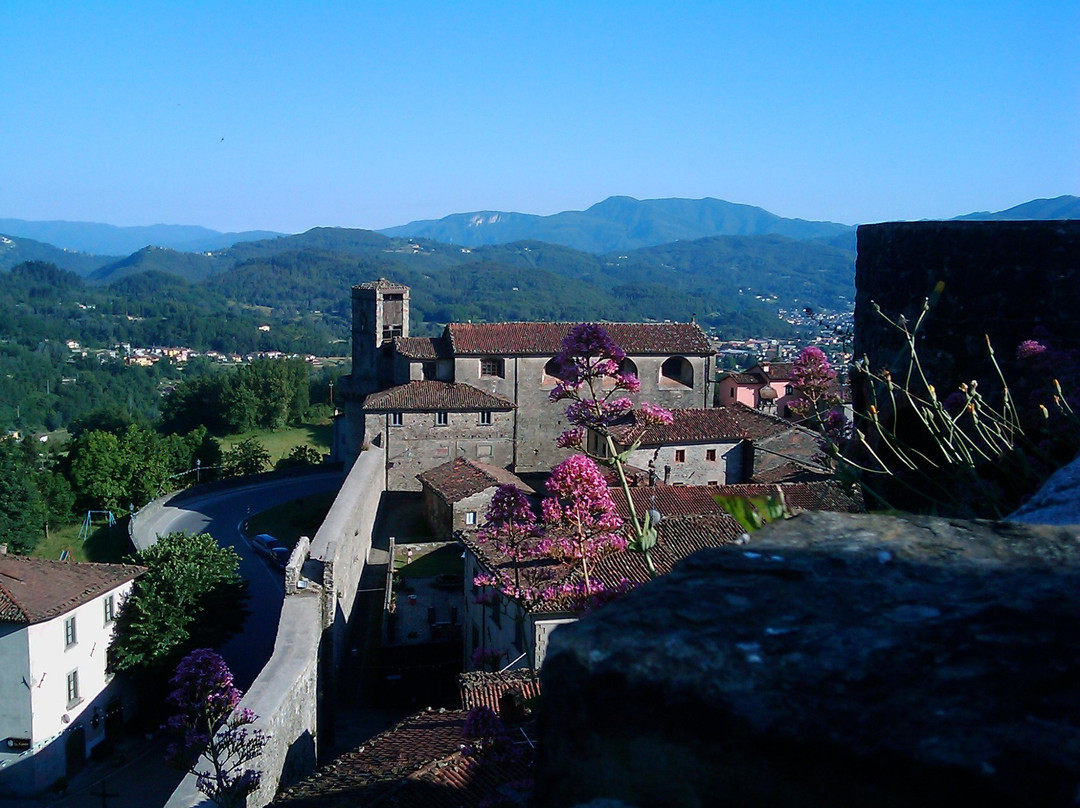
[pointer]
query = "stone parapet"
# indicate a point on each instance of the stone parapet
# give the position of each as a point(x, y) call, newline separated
point(832, 659)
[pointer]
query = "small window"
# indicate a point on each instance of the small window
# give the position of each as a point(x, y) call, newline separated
point(442, 418)
point(788, 390)
point(70, 636)
point(680, 455)
point(110, 609)
point(430, 370)
point(397, 419)
point(731, 392)
point(470, 517)
point(710, 454)
point(714, 482)
point(491, 366)
point(73, 688)
point(485, 418)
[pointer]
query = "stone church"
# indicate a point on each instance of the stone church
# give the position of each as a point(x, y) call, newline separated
point(480, 391)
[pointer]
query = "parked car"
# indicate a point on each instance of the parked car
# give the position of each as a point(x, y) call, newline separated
point(266, 545)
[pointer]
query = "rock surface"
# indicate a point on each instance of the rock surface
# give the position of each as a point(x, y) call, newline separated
point(1057, 502)
point(833, 659)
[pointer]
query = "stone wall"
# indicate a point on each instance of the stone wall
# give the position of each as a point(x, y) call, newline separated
point(832, 659)
point(1004, 279)
point(418, 445)
point(321, 582)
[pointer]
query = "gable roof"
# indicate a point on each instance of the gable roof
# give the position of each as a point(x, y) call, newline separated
point(36, 589)
point(677, 537)
point(696, 425)
point(823, 495)
point(669, 500)
point(428, 395)
point(484, 689)
point(790, 472)
point(418, 763)
point(422, 347)
point(462, 478)
point(543, 339)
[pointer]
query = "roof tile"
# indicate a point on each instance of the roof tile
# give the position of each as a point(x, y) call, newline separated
point(462, 478)
point(36, 589)
point(733, 423)
point(427, 395)
point(525, 339)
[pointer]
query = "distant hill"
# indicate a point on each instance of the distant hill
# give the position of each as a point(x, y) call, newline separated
point(107, 239)
point(190, 266)
point(617, 223)
point(15, 250)
point(1061, 207)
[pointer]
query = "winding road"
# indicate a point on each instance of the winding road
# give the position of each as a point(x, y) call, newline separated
point(222, 514)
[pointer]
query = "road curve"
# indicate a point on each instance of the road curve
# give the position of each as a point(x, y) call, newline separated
point(221, 514)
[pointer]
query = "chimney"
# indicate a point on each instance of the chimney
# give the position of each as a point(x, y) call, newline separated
point(3, 548)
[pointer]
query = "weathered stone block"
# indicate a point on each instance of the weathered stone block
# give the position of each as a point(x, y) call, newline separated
point(832, 660)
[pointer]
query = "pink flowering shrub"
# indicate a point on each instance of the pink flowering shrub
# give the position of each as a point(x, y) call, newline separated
point(215, 739)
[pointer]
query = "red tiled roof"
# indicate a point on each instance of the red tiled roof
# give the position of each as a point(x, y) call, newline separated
point(814, 496)
point(669, 500)
point(677, 537)
point(525, 339)
point(36, 589)
point(462, 478)
point(696, 425)
point(422, 347)
point(416, 764)
point(483, 689)
point(790, 472)
point(742, 378)
point(424, 396)
point(778, 371)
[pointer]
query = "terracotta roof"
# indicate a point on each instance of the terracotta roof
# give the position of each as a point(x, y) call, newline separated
point(418, 763)
point(525, 339)
point(698, 425)
point(381, 283)
point(36, 589)
point(678, 537)
point(814, 496)
point(778, 371)
point(425, 396)
point(669, 500)
point(422, 347)
point(483, 689)
point(742, 378)
point(462, 478)
point(790, 472)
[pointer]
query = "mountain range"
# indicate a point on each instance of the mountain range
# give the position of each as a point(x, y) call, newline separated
point(618, 223)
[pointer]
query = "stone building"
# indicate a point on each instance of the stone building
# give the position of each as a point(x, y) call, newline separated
point(510, 363)
point(457, 494)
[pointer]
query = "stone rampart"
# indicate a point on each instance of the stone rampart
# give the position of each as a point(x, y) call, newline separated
point(321, 582)
point(1005, 279)
point(832, 659)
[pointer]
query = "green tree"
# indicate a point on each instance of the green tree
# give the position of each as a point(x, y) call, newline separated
point(190, 596)
point(303, 455)
point(20, 501)
point(249, 456)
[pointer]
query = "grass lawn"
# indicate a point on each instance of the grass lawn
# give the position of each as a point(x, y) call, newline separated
point(445, 560)
point(104, 544)
point(281, 442)
point(291, 520)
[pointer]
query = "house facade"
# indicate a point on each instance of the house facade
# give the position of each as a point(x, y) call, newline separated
point(510, 361)
point(768, 386)
point(57, 700)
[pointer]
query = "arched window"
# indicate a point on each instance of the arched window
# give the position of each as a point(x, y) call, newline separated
point(552, 373)
point(625, 366)
point(677, 371)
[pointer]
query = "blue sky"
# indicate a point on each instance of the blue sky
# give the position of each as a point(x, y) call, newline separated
point(286, 116)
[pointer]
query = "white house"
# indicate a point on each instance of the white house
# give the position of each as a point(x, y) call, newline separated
point(56, 700)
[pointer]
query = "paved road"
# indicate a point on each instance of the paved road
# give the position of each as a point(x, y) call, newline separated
point(138, 776)
point(221, 514)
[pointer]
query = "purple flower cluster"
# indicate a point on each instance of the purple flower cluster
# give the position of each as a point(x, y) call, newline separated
point(1029, 348)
